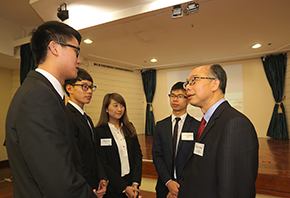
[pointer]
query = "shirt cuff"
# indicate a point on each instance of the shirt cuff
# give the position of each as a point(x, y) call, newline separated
point(168, 182)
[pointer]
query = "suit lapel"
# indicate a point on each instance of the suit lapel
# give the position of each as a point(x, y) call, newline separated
point(110, 135)
point(168, 130)
point(212, 121)
point(77, 113)
point(35, 74)
point(185, 128)
point(82, 119)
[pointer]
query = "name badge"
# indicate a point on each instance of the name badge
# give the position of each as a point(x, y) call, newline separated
point(106, 142)
point(187, 136)
point(198, 149)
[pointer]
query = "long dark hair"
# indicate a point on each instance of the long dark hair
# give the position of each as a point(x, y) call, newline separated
point(128, 128)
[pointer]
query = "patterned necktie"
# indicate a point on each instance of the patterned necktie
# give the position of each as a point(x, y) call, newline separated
point(174, 143)
point(201, 128)
point(86, 117)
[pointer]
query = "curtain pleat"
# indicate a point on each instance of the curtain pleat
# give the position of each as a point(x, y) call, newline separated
point(149, 85)
point(275, 69)
point(27, 61)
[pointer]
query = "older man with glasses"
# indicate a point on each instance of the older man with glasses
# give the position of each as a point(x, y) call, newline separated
point(224, 159)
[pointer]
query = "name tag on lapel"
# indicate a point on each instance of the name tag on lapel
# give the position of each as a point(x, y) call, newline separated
point(198, 149)
point(187, 136)
point(106, 142)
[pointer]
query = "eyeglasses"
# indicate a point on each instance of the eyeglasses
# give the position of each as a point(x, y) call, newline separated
point(68, 45)
point(86, 87)
point(193, 80)
point(180, 96)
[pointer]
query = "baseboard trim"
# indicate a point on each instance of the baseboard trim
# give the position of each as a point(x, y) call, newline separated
point(4, 164)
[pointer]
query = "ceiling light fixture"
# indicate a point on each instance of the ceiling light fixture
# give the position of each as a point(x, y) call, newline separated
point(256, 46)
point(62, 13)
point(88, 41)
point(153, 60)
point(192, 7)
point(177, 11)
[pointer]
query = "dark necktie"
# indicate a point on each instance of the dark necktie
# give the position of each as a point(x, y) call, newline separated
point(174, 142)
point(86, 117)
point(63, 99)
point(201, 128)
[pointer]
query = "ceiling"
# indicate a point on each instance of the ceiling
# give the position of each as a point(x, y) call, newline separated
point(222, 30)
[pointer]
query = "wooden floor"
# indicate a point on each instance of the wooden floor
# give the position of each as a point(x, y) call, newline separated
point(273, 177)
point(274, 165)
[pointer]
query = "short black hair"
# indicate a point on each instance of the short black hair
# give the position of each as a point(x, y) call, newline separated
point(218, 72)
point(82, 75)
point(177, 86)
point(47, 32)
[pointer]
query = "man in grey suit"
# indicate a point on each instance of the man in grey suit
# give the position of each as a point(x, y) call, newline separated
point(224, 161)
point(170, 152)
point(41, 148)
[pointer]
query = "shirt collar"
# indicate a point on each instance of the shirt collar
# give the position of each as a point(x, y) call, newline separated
point(113, 126)
point(77, 107)
point(55, 83)
point(182, 118)
point(212, 109)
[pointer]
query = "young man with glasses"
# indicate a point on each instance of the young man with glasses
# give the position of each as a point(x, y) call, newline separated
point(173, 140)
point(80, 91)
point(224, 161)
point(42, 151)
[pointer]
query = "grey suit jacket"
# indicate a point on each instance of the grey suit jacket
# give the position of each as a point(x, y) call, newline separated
point(228, 166)
point(42, 151)
point(162, 151)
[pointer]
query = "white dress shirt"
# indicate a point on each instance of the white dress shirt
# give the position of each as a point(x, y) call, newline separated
point(122, 148)
point(55, 83)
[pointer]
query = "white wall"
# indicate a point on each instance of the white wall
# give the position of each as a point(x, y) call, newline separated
point(5, 98)
point(258, 99)
point(128, 84)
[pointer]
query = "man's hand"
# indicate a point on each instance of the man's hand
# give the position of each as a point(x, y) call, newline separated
point(102, 189)
point(169, 195)
point(136, 193)
point(131, 192)
point(173, 188)
point(103, 184)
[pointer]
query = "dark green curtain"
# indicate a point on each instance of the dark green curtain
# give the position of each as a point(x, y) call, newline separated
point(27, 61)
point(275, 69)
point(149, 85)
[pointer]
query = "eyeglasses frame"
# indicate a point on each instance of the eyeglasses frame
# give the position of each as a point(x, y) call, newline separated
point(92, 87)
point(192, 81)
point(68, 45)
point(179, 96)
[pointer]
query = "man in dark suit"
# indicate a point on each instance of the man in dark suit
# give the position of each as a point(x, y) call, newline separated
point(41, 148)
point(224, 162)
point(170, 154)
point(80, 91)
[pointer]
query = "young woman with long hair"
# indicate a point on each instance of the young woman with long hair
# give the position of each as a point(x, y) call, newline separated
point(118, 147)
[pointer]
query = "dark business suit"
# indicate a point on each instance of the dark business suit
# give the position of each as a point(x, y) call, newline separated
point(229, 165)
point(41, 148)
point(162, 151)
point(92, 168)
point(112, 165)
